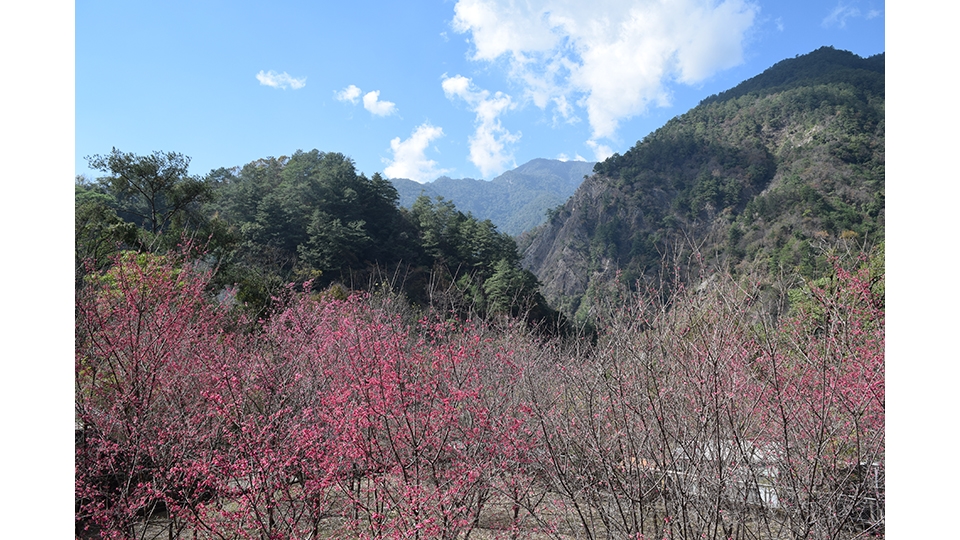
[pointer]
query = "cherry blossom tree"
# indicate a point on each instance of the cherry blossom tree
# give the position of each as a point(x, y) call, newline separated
point(689, 415)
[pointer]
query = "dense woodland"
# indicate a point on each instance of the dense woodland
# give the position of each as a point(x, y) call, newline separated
point(280, 350)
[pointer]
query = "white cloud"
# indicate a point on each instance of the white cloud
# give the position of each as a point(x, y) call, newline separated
point(372, 103)
point(499, 27)
point(565, 110)
point(847, 10)
point(600, 151)
point(838, 17)
point(280, 80)
point(409, 156)
point(613, 58)
point(350, 93)
point(489, 144)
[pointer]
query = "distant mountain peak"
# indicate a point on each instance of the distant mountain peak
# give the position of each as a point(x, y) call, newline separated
point(515, 201)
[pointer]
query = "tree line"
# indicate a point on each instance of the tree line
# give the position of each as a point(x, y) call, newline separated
point(309, 217)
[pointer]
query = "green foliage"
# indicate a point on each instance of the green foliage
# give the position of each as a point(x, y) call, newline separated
point(153, 191)
point(802, 300)
point(459, 241)
point(98, 230)
point(331, 243)
point(876, 268)
point(480, 263)
point(510, 289)
point(151, 267)
point(807, 301)
point(315, 215)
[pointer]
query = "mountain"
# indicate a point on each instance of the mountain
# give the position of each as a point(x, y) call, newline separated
point(515, 201)
point(763, 177)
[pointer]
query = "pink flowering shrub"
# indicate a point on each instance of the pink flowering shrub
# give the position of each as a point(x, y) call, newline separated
point(693, 417)
point(141, 328)
point(330, 409)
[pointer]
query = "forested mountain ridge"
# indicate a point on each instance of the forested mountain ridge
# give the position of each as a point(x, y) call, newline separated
point(309, 219)
point(516, 201)
point(756, 178)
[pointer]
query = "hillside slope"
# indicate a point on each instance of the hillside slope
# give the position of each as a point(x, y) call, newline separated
point(756, 179)
point(516, 201)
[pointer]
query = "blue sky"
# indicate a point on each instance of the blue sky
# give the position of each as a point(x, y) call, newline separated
point(419, 89)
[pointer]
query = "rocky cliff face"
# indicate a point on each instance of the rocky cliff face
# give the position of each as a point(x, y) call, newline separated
point(558, 253)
